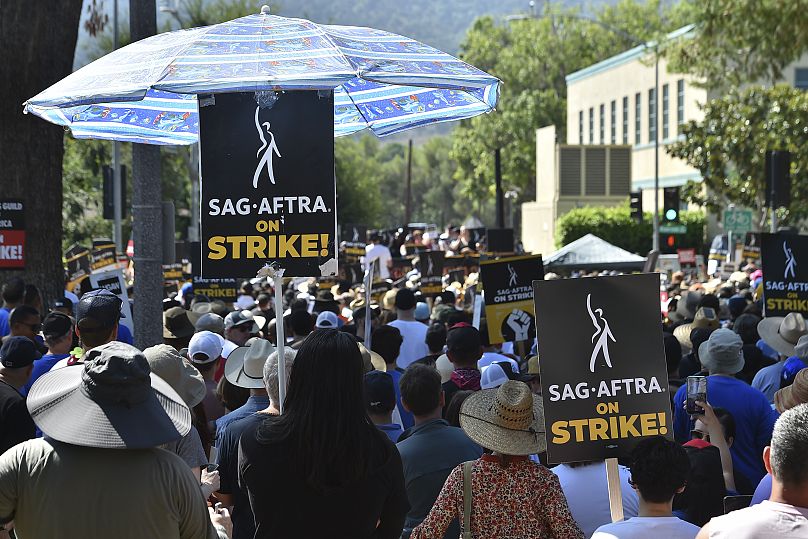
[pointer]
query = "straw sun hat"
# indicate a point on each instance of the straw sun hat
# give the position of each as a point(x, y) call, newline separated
point(507, 419)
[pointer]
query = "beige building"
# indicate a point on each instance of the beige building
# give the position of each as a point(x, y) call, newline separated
point(614, 103)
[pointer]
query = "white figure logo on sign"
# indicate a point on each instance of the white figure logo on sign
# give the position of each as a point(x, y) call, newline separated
point(791, 263)
point(269, 149)
point(513, 276)
point(602, 334)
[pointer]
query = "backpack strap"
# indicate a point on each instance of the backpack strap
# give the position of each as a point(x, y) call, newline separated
point(467, 500)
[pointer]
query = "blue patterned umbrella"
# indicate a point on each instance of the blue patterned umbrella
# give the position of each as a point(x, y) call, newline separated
point(147, 92)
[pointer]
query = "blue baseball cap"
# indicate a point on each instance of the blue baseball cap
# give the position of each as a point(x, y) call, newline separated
point(18, 352)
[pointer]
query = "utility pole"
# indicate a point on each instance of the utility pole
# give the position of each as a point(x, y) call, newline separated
point(408, 192)
point(500, 197)
point(116, 159)
point(656, 150)
point(147, 223)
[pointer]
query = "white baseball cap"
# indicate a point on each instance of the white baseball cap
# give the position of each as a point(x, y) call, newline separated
point(492, 377)
point(207, 343)
point(327, 320)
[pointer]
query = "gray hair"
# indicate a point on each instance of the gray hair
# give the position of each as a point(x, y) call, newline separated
point(271, 373)
point(789, 446)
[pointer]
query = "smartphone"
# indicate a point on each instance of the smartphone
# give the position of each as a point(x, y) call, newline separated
point(696, 391)
point(709, 312)
point(212, 467)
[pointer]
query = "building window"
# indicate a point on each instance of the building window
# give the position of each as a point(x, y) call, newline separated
point(665, 99)
point(652, 115)
point(680, 104)
point(591, 125)
point(580, 127)
point(625, 120)
point(613, 122)
point(637, 117)
point(602, 123)
point(801, 78)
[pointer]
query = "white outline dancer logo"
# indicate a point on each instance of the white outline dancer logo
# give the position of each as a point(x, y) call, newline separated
point(791, 263)
point(603, 334)
point(269, 149)
point(513, 277)
point(430, 269)
point(355, 238)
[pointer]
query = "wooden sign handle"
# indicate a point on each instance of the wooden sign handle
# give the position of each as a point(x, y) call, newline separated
point(615, 493)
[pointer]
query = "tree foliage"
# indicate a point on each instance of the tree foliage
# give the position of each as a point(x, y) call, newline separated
point(615, 225)
point(741, 41)
point(728, 147)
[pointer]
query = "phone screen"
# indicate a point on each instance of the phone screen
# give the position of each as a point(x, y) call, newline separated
point(696, 391)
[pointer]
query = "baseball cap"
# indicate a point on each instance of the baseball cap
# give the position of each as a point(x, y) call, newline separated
point(18, 352)
point(207, 343)
point(210, 322)
point(463, 337)
point(237, 318)
point(327, 320)
point(421, 311)
point(405, 299)
point(98, 308)
point(492, 376)
point(56, 324)
point(380, 393)
point(62, 303)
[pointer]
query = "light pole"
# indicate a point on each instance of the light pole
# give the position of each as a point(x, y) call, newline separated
point(636, 42)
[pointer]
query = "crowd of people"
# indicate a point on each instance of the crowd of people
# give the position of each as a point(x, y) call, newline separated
point(432, 431)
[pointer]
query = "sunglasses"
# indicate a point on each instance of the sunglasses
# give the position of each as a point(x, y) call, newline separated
point(698, 435)
point(244, 328)
point(36, 328)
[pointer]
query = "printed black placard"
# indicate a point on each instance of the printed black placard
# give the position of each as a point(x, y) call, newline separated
point(12, 234)
point(355, 239)
point(508, 284)
point(268, 192)
point(77, 259)
point(222, 289)
point(751, 247)
point(603, 370)
point(785, 274)
point(499, 240)
point(430, 265)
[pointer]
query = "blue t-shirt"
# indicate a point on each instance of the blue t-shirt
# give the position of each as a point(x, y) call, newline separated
point(41, 366)
point(255, 403)
point(124, 335)
point(5, 329)
point(767, 380)
point(763, 490)
point(754, 420)
point(407, 419)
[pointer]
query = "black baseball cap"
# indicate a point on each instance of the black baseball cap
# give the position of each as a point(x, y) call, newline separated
point(63, 303)
point(56, 324)
point(405, 299)
point(463, 337)
point(18, 352)
point(380, 393)
point(98, 309)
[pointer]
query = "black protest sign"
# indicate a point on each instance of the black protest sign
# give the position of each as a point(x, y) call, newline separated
point(12, 234)
point(378, 289)
point(499, 240)
point(603, 369)
point(430, 265)
point(268, 193)
point(355, 239)
point(785, 274)
point(508, 284)
point(77, 259)
point(751, 247)
point(103, 255)
point(401, 267)
point(114, 282)
point(172, 273)
point(351, 272)
point(222, 289)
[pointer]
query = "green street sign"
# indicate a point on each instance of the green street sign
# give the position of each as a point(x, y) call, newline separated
point(672, 229)
point(738, 221)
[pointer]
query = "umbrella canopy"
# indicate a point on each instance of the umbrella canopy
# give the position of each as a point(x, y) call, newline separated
point(147, 92)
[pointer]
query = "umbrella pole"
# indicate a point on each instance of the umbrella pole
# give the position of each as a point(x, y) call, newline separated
point(277, 282)
point(368, 285)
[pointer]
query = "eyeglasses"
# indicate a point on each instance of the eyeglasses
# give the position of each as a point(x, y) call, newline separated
point(698, 435)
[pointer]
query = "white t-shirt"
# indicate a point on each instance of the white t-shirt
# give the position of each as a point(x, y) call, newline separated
point(414, 346)
point(374, 251)
point(490, 357)
point(766, 520)
point(644, 527)
point(588, 494)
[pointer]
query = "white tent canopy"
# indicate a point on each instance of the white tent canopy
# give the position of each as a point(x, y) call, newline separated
point(591, 252)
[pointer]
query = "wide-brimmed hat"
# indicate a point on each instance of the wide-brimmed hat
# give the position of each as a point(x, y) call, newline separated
point(112, 401)
point(701, 320)
point(183, 377)
point(371, 359)
point(793, 395)
point(783, 332)
point(245, 365)
point(507, 419)
point(722, 352)
point(176, 324)
point(686, 306)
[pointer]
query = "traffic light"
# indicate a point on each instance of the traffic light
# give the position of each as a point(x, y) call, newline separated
point(670, 207)
point(635, 201)
point(670, 243)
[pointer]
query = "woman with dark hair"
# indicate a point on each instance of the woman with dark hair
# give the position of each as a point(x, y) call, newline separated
point(322, 469)
point(453, 408)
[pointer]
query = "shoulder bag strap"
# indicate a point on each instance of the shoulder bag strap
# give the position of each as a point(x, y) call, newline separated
point(467, 500)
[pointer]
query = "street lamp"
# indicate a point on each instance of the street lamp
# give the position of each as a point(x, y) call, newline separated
point(636, 42)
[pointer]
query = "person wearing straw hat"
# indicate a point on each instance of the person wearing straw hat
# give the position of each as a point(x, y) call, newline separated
point(98, 472)
point(510, 423)
point(245, 368)
point(785, 335)
point(721, 356)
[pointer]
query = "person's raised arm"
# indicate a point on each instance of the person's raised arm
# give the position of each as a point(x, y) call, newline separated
point(718, 439)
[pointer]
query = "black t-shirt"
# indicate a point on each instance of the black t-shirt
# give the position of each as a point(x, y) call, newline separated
point(286, 508)
point(16, 424)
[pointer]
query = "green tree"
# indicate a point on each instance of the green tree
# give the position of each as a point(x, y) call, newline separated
point(533, 57)
point(740, 41)
point(728, 148)
point(357, 171)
